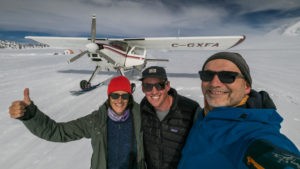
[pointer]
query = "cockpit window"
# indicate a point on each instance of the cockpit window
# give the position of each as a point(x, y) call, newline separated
point(119, 45)
point(138, 51)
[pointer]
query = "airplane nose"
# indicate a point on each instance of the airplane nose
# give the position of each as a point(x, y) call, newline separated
point(92, 47)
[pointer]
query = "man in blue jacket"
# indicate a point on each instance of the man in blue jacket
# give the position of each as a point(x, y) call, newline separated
point(238, 127)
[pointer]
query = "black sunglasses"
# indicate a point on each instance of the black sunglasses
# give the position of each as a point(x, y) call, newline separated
point(117, 96)
point(224, 76)
point(147, 87)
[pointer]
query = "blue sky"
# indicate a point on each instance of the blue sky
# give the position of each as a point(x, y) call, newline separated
point(145, 18)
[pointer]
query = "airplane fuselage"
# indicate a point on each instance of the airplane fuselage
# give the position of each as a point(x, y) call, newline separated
point(118, 54)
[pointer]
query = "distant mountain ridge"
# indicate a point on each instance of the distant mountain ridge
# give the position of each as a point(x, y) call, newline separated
point(291, 29)
point(18, 36)
point(4, 44)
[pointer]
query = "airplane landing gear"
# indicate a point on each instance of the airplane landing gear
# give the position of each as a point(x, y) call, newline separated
point(132, 87)
point(85, 84)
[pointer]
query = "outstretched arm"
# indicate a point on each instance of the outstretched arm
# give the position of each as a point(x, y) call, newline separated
point(264, 155)
point(44, 127)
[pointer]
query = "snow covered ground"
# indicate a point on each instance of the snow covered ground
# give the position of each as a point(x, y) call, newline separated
point(274, 64)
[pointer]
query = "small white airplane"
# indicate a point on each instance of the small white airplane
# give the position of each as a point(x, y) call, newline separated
point(130, 53)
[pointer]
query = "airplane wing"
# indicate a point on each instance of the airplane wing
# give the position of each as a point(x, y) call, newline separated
point(167, 43)
point(186, 43)
point(61, 42)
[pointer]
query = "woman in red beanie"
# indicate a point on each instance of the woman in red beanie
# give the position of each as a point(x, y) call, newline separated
point(114, 129)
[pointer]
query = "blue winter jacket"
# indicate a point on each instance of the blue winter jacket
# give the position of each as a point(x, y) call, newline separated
point(221, 138)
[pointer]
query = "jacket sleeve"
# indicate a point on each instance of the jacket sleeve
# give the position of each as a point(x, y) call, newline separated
point(263, 154)
point(44, 127)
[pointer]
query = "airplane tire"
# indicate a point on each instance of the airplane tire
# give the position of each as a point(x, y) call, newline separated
point(132, 87)
point(84, 84)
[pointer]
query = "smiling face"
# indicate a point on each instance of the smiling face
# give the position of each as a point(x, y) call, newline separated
point(118, 105)
point(218, 94)
point(159, 99)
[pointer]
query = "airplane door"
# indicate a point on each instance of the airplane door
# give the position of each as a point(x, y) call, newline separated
point(136, 56)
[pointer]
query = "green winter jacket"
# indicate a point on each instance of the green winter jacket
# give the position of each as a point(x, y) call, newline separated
point(93, 126)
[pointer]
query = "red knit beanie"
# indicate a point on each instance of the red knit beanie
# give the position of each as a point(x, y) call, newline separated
point(119, 83)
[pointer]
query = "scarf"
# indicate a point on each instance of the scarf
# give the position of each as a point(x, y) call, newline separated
point(115, 117)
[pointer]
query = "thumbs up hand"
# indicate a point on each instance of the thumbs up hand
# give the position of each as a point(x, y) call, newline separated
point(26, 97)
point(18, 107)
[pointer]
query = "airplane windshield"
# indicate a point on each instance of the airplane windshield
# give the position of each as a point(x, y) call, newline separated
point(119, 45)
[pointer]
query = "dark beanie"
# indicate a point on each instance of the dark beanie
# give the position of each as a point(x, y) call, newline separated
point(235, 58)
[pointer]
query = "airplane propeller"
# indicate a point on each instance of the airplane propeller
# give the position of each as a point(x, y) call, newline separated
point(91, 47)
point(77, 56)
